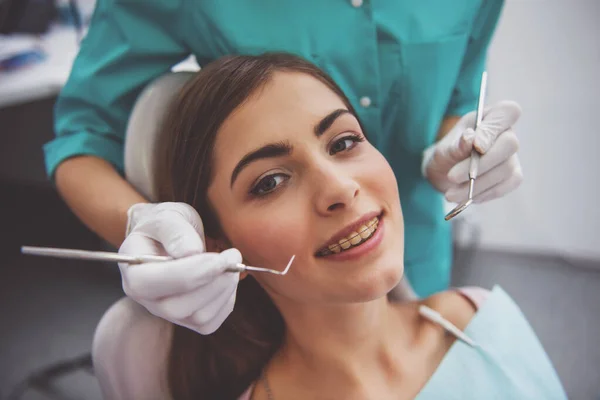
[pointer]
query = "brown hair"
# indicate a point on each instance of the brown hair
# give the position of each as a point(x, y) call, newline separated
point(223, 364)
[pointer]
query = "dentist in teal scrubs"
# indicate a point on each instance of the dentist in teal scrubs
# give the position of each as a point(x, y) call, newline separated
point(410, 68)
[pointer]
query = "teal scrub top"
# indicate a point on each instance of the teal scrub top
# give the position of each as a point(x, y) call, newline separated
point(404, 65)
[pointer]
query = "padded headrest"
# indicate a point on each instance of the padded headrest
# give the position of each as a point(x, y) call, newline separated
point(145, 121)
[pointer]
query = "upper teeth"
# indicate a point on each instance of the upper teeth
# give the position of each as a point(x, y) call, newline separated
point(364, 232)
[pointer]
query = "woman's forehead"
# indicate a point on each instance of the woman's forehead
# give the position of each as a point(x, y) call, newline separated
point(289, 104)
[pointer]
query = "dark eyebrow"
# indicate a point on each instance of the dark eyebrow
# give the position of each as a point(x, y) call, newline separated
point(326, 122)
point(269, 151)
point(283, 148)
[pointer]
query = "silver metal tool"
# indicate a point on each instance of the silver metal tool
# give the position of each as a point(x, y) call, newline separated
point(129, 259)
point(474, 164)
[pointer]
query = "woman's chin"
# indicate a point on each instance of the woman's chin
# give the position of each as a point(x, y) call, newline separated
point(377, 285)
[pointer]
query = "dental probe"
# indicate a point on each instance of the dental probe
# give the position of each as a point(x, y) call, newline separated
point(130, 259)
point(475, 156)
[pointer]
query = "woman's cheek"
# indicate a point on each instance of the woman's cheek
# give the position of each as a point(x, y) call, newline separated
point(382, 173)
point(268, 240)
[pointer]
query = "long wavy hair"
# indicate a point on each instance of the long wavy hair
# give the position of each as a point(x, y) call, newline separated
point(223, 364)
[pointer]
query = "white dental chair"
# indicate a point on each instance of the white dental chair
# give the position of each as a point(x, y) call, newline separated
point(145, 120)
point(125, 325)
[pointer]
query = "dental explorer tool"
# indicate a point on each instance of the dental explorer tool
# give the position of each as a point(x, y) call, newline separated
point(474, 164)
point(130, 259)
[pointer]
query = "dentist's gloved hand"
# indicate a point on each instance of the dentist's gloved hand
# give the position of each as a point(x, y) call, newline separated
point(446, 163)
point(192, 291)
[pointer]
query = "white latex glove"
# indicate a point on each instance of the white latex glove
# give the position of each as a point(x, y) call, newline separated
point(194, 290)
point(446, 163)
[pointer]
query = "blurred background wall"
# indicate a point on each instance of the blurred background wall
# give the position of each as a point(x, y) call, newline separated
point(546, 56)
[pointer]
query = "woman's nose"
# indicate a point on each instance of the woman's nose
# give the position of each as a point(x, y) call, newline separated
point(335, 189)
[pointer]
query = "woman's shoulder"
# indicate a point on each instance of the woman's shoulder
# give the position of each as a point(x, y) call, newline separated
point(130, 352)
point(458, 305)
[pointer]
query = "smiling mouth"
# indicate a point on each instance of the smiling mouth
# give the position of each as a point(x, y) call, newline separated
point(355, 239)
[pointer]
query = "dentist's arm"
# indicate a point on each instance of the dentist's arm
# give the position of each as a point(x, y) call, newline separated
point(97, 195)
point(128, 45)
point(447, 124)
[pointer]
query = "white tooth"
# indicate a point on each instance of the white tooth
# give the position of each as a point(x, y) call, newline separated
point(334, 248)
point(356, 239)
point(345, 244)
point(365, 231)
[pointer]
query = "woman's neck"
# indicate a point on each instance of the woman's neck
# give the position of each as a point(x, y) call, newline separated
point(345, 345)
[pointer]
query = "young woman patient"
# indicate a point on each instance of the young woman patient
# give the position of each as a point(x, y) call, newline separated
point(271, 154)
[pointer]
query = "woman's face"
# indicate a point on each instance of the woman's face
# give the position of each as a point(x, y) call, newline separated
point(294, 175)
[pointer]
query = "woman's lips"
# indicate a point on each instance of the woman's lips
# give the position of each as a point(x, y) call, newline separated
point(362, 249)
point(350, 229)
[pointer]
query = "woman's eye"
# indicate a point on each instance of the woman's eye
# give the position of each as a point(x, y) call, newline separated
point(345, 143)
point(268, 184)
